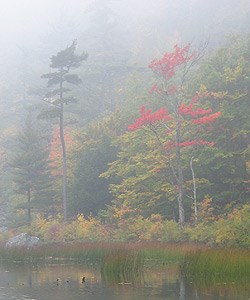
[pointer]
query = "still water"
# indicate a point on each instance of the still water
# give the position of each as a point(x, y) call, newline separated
point(64, 282)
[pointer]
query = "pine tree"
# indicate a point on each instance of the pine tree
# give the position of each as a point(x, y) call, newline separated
point(63, 62)
point(31, 172)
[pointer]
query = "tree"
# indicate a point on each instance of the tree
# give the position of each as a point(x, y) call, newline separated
point(227, 71)
point(92, 152)
point(31, 170)
point(183, 122)
point(139, 177)
point(63, 62)
point(90, 193)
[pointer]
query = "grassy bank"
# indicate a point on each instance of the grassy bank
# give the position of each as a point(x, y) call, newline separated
point(124, 261)
point(98, 252)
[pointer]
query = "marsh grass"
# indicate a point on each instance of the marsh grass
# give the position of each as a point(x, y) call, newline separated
point(213, 265)
point(122, 265)
point(96, 251)
point(124, 262)
point(79, 252)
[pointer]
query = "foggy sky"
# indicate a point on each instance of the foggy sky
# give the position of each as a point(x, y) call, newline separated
point(43, 27)
point(28, 19)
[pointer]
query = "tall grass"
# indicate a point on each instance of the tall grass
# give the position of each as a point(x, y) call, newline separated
point(118, 262)
point(123, 262)
point(97, 251)
point(217, 264)
point(79, 252)
point(122, 265)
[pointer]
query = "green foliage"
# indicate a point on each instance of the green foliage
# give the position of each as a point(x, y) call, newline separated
point(31, 172)
point(141, 173)
point(226, 166)
point(235, 229)
point(90, 157)
point(67, 58)
point(231, 230)
point(63, 62)
point(89, 192)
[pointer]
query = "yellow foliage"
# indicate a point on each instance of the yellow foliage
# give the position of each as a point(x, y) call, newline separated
point(205, 210)
point(231, 74)
point(54, 229)
point(231, 230)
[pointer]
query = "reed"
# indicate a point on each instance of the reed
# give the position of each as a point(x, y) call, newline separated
point(98, 253)
point(125, 261)
point(83, 252)
point(215, 264)
point(122, 265)
point(167, 254)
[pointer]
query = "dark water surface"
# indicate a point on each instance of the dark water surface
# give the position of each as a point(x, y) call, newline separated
point(64, 282)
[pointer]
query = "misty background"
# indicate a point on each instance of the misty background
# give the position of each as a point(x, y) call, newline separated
point(132, 30)
point(120, 37)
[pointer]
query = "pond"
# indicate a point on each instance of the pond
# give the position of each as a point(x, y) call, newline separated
point(65, 281)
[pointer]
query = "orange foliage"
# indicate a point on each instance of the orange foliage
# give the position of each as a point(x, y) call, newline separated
point(55, 148)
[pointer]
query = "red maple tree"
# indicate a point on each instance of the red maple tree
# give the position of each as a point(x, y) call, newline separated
point(190, 112)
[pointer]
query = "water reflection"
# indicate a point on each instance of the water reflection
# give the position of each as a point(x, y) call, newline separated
point(61, 282)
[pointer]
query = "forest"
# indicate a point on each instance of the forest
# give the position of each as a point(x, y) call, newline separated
point(137, 135)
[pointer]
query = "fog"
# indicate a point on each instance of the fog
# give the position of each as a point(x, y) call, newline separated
point(129, 32)
point(38, 24)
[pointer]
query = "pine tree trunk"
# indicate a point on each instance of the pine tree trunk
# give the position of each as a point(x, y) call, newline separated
point(64, 155)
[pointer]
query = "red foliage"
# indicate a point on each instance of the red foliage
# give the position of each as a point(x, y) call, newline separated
point(169, 145)
point(189, 110)
point(153, 89)
point(196, 142)
point(172, 90)
point(166, 67)
point(207, 119)
point(147, 117)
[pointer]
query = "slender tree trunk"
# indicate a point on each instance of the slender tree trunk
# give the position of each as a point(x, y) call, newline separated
point(180, 189)
point(64, 158)
point(194, 191)
point(179, 171)
point(29, 208)
point(64, 155)
point(182, 287)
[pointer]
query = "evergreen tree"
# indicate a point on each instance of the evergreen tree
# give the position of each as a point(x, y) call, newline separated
point(90, 156)
point(31, 169)
point(63, 62)
point(90, 193)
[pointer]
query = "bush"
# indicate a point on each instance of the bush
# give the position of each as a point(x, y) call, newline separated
point(232, 230)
